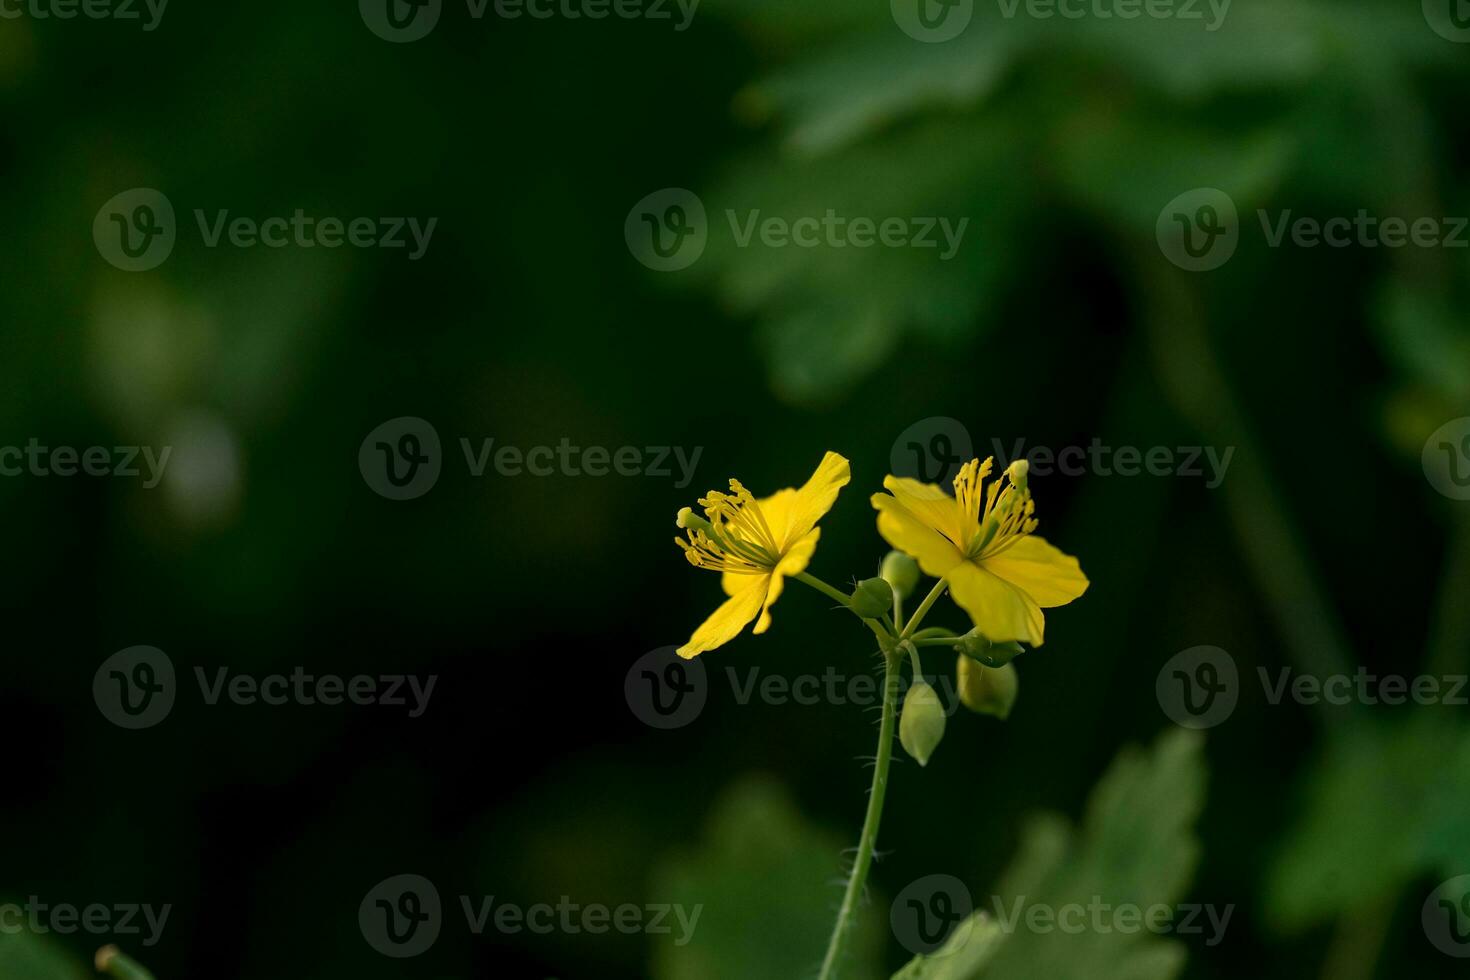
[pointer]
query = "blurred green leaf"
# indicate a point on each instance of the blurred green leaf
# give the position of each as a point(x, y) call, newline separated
point(1136, 846)
point(1426, 339)
point(767, 884)
point(25, 956)
point(1343, 853)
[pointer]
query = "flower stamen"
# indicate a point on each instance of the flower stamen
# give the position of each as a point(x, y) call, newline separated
point(732, 537)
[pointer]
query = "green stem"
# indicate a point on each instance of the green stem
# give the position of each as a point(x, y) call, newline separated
point(822, 587)
point(924, 608)
point(869, 839)
point(883, 630)
point(112, 962)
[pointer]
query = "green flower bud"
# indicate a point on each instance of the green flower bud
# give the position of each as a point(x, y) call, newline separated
point(922, 724)
point(901, 572)
point(872, 598)
point(111, 961)
point(974, 645)
point(988, 690)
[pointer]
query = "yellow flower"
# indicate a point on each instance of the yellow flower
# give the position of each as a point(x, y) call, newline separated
point(755, 545)
point(980, 542)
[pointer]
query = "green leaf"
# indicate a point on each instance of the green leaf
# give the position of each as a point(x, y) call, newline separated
point(1136, 846)
point(1342, 854)
point(768, 885)
point(26, 956)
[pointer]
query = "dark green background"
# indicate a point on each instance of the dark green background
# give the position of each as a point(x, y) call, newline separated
point(529, 321)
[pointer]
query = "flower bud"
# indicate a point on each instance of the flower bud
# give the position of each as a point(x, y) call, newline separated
point(988, 690)
point(922, 724)
point(901, 572)
point(974, 645)
point(872, 598)
point(1017, 472)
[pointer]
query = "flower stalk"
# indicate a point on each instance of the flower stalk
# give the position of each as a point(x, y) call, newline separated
point(857, 881)
point(977, 544)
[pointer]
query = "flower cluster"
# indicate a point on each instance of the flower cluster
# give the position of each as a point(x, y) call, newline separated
point(978, 542)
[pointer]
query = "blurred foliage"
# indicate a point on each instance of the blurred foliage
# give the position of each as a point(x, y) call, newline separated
point(1136, 846)
point(1018, 118)
point(25, 956)
point(528, 321)
point(765, 879)
point(1342, 853)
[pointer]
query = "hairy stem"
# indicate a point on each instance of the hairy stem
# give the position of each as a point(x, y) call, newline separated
point(869, 839)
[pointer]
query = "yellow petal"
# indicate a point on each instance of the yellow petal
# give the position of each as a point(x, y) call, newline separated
point(811, 503)
point(934, 507)
point(998, 609)
point(797, 557)
point(1041, 570)
point(915, 538)
point(726, 622)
